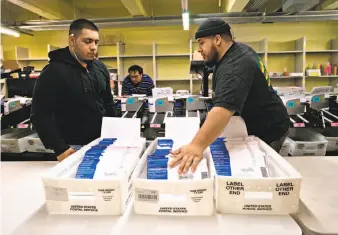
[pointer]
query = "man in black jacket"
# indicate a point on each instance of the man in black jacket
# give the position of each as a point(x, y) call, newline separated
point(72, 93)
point(241, 85)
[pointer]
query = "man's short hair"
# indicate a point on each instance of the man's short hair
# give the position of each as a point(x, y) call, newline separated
point(135, 68)
point(77, 25)
point(227, 36)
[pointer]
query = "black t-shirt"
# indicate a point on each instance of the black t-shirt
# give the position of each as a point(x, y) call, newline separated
point(242, 85)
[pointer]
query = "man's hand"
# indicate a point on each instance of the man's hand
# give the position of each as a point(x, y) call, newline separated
point(65, 154)
point(189, 155)
point(192, 154)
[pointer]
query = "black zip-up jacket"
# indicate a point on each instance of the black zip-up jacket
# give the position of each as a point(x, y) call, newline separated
point(69, 101)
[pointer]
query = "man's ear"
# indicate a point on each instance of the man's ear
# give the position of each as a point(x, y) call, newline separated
point(71, 39)
point(218, 39)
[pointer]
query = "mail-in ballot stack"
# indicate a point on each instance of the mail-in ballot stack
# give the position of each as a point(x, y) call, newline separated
point(97, 179)
point(252, 178)
point(159, 190)
point(157, 164)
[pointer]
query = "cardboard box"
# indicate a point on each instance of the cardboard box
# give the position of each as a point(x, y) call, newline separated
point(313, 72)
point(306, 142)
point(34, 144)
point(173, 197)
point(66, 195)
point(11, 64)
point(296, 74)
point(13, 140)
point(277, 194)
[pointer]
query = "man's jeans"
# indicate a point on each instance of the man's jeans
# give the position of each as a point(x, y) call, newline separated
point(277, 145)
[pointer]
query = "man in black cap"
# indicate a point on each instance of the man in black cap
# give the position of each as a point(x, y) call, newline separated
point(241, 85)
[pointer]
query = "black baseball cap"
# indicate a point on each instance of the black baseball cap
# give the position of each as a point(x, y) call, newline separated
point(212, 26)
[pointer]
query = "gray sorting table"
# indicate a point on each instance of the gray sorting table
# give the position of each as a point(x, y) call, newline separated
point(318, 210)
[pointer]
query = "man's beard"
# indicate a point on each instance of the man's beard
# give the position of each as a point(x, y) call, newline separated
point(213, 58)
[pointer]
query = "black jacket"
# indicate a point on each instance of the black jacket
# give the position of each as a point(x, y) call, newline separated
point(69, 101)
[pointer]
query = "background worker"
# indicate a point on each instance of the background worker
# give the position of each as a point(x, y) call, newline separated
point(137, 82)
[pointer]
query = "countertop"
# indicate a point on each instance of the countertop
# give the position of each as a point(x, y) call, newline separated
point(318, 209)
point(23, 212)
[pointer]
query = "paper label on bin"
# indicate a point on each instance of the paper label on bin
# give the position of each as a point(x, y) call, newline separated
point(107, 194)
point(190, 100)
point(315, 99)
point(290, 92)
point(182, 128)
point(291, 104)
point(154, 125)
point(159, 102)
point(299, 125)
point(121, 128)
point(22, 126)
point(321, 90)
point(236, 128)
point(56, 193)
point(146, 195)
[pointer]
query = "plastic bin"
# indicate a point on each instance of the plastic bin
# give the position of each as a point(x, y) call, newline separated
point(306, 142)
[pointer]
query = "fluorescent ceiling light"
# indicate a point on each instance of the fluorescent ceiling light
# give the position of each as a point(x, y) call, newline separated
point(185, 17)
point(10, 32)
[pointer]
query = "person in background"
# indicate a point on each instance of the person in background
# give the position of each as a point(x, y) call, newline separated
point(241, 85)
point(73, 93)
point(137, 82)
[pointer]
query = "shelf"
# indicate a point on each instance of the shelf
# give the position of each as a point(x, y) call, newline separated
point(325, 76)
point(33, 59)
point(169, 63)
point(284, 52)
point(200, 79)
point(173, 55)
point(173, 79)
point(322, 51)
point(107, 57)
point(135, 56)
point(286, 77)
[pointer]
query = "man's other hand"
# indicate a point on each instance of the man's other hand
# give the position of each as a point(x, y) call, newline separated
point(187, 156)
point(65, 154)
